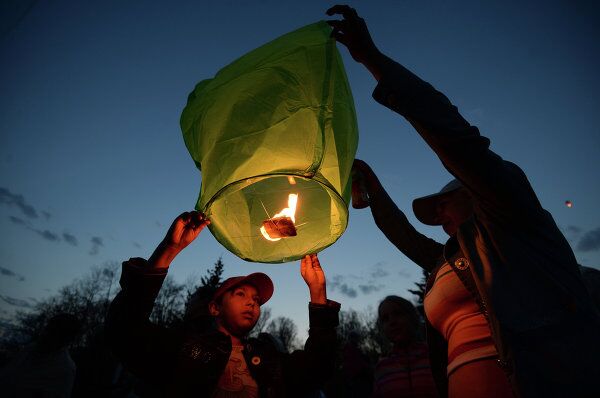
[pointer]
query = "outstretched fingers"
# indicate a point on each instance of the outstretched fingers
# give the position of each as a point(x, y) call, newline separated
point(316, 265)
point(304, 265)
point(340, 27)
point(343, 9)
point(178, 224)
point(199, 220)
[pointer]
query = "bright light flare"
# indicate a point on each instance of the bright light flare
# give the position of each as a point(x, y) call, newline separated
point(287, 213)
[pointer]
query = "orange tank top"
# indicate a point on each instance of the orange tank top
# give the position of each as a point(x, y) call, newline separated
point(451, 310)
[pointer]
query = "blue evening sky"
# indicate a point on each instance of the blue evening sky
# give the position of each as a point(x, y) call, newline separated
point(92, 162)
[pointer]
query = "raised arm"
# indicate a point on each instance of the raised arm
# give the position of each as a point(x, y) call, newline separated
point(182, 232)
point(145, 348)
point(306, 370)
point(499, 187)
point(422, 250)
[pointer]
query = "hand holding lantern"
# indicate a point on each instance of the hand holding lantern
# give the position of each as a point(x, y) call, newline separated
point(182, 232)
point(352, 32)
point(311, 271)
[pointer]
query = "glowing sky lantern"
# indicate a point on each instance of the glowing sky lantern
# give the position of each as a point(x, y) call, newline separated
point(274, 134)
point(568, 203)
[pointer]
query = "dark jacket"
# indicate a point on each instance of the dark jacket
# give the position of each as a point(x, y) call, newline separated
point(510, 255)
point(182, 362)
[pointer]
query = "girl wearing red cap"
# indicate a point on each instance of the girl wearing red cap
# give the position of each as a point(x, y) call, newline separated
point(221, 361)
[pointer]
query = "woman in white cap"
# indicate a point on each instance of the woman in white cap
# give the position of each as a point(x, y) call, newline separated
point(506, 307)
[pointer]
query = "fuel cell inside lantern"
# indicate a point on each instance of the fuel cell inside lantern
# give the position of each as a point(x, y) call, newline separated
point(280, 227)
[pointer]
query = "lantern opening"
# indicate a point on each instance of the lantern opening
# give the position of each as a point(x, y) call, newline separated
point(282, 224)
point(238, 212)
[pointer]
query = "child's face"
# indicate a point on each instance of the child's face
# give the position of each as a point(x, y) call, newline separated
point(239, 310)
point(395, 324)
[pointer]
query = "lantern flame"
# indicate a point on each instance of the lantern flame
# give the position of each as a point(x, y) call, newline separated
point(289, 212)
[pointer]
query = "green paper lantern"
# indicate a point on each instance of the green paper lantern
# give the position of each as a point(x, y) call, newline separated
point(274, 130)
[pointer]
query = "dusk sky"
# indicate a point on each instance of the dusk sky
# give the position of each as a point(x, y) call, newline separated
point(93, 167)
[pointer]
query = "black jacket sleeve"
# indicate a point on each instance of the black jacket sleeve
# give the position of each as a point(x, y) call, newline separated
point(307, 370)
point(143, 347)
point(500, 188)
point(422, 250)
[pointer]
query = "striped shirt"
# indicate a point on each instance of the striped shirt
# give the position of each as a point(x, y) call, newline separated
point(405, 373)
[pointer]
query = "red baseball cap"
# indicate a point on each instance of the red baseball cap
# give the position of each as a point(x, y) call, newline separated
point(262, 283)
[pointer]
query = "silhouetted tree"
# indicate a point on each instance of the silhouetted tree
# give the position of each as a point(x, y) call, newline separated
point(199, 295)
point(169, 305)
point(420, 290)
point(360, 345)
point(263, 320)
point(285, 330)
point(362, 327)
point(87, 298)
point(213, 279)
point(420, 293)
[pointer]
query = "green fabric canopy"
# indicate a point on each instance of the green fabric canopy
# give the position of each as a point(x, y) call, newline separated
point(280, 120)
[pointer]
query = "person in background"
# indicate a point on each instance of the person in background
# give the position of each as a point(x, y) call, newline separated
point(353, 376)
point(507, 312)
point(44, 369)
point(356, 368)
point(405, 372)
point(222, 361)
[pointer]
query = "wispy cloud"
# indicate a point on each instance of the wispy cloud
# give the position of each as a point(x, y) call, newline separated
point(18, 221)
point(97, 243)
point(372, 280)
point(11, 199)
point(404, 274)
point(70, 239)
point(571, 232)
point(590, 241)
point(379, 273)
point(15, 301)
point(338, 283)
point(46, 214)
point(348, 291)
point(370, 288)
point(47, 235)
point(573, 229)
point(11, 274)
